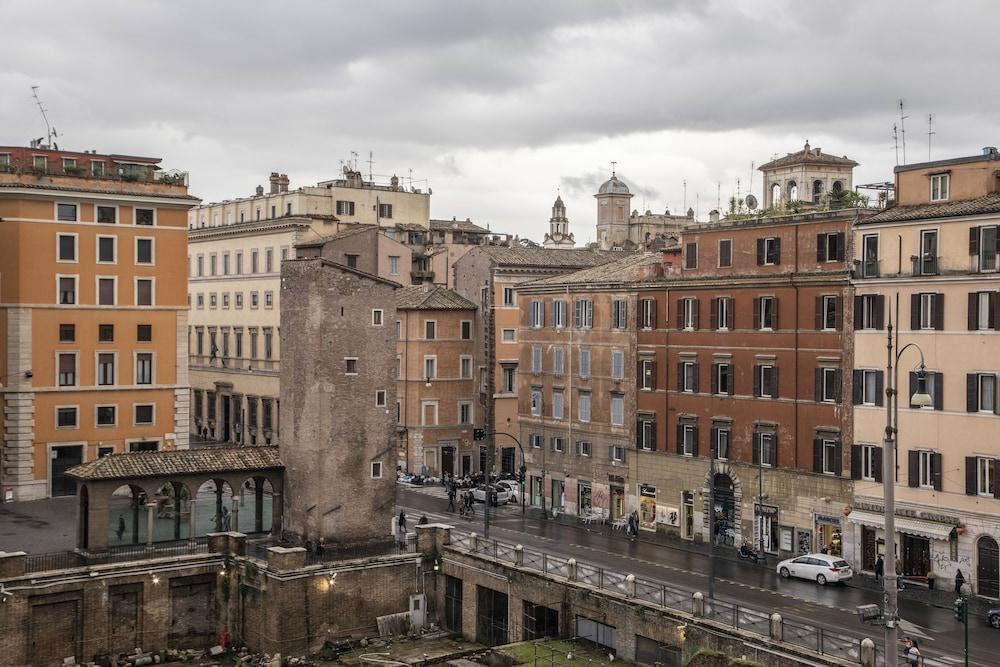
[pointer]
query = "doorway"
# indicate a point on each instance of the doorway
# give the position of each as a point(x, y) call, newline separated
point(987, 567)
point(916, 555)
point(725, 506)
point(491, 616)
point(64, 457)
point(227, 411)
point(539, 621)
point(466, 464)
point(448, 460)
point(507, 460)
point(687, 516)
point(617, 502)
point(558, 494)
point(868, 548)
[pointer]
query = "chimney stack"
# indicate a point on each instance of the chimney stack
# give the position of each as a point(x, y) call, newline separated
point(283, 183)
point(394, 182)
point(274, 182)
point(260, 190)
point(713, 215)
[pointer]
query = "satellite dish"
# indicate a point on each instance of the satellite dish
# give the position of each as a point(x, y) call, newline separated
point(751, 202)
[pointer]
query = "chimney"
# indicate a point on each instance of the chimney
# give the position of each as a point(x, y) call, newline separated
point(274, 182)
point(260, 190)
point(713, 215)
point(394, 182)
point(283, 183)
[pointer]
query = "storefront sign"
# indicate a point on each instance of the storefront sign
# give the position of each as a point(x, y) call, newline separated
point(646, 490)
point(765, 510)
point(828, 520)
point(910, 513)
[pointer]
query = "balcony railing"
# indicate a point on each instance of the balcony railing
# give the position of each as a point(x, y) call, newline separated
point(62, 560)
point(113, 173)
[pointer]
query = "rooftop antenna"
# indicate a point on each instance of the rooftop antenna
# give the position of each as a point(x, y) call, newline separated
point(750, 182)
point(930, 132)
point(696, 202)
point(718, 194)
point(902, 128)
point(411, 177)
point(685, 196)
point(49, 130)
point(371, 178)
point(354, 160)
point(895, 141)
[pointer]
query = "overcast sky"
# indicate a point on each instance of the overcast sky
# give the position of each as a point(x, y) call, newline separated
point(495, 105)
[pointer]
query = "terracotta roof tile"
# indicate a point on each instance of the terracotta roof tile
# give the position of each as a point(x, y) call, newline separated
point(431, 297)
point(177, 462)
point(980, 205)
point(543, 257)
point(626, 270)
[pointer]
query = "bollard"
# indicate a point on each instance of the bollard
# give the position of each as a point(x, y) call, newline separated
point(698, 604)
point(473, 542)
point(518, 555)
point(630, 586)
point(777, 627)
point(571, 569)
point(867, 652)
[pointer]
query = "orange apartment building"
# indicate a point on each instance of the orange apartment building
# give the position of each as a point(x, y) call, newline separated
point(93, 312)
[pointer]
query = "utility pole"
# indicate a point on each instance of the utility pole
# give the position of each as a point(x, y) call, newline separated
point(711, 522)
point(930, 132)
point(902, 128)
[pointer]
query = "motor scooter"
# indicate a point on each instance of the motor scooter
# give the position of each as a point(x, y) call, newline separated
point(747, 552)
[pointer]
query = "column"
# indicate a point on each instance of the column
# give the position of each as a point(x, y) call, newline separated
point(277, 509)
point(150, 518)
point(235, 526)
point(193, 520)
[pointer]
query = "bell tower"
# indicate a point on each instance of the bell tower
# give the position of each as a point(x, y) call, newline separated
point(613, 200)
point(558, 236)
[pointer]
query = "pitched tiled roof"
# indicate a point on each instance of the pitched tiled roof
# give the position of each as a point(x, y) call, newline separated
point(542, 257)
point(980, 205)
point(626, 270)
point(177, 462)
point(810, 156)
point(342, 234)
point(459, 226)
point(431, 297)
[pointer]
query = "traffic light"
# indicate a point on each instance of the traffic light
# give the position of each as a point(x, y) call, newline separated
point(479, 434)
point(961, 609)
point(520, 474)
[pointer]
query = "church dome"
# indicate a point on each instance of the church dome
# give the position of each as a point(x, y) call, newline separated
point(613, 186)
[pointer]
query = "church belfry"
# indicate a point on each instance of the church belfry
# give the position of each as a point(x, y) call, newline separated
point(558, 235)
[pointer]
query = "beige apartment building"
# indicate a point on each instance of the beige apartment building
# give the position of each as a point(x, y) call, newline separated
point(930, 265)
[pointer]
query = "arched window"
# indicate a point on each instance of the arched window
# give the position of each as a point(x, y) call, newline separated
point(838, 187)
point(775, 195)
point(817, 190)
point(793, 191)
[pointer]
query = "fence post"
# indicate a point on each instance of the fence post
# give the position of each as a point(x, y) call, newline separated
point(571, 569)
point(777, 627)
point(630, 586)
point(518, 555)
point(698, 604)
point(473, 541)
point(867, 652)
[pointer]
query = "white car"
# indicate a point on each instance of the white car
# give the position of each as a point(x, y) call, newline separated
point(820, 568)
point(512, 488)
point(479, 494)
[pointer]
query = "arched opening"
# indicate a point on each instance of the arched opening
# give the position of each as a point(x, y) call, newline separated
point(257, 504)
point(838, 187)
point(776, 195)
point(172, 512)
point(83, 527)
point(725, 508)
point(126, 516)
point(214, 508)
point(817, 190)
point(987, 567)
point(793, 191)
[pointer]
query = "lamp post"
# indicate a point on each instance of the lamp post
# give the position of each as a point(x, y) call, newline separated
point(920, 398)
point(522, 471)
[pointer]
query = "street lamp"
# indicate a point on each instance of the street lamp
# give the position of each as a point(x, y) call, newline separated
point(923, 399)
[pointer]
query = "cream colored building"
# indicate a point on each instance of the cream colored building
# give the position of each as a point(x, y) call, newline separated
point(806, 176)
point(617, 229)
point(930, 265)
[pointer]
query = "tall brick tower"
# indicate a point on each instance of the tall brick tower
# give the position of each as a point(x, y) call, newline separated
point(338, 359)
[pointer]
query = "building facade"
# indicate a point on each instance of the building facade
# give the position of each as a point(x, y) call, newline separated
point(94, 319)
point(929, 266)
point(618, 229)
point(806, 177)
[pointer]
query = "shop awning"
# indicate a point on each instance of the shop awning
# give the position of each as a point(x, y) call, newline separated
point(931, 529)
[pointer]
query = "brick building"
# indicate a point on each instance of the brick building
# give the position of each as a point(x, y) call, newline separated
point(93, 349)
point(436, 386)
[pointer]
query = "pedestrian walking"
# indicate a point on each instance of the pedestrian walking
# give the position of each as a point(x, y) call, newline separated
point(879, 568)
point(227, 520)
point(120, 531)
point(451, 498)
point(959, 580)
point(402, 521)
point(911, 652)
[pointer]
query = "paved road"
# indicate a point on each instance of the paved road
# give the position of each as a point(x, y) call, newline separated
point(831, 607)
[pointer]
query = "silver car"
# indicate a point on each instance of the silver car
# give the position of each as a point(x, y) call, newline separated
point(479, 494)
point(821, 568)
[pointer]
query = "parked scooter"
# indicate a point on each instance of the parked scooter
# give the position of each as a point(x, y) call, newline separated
point(747, 552)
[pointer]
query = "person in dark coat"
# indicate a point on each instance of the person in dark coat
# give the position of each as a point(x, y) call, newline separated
point(959, 580)
point(879, 568)
point(451, 497)
point(402, 521)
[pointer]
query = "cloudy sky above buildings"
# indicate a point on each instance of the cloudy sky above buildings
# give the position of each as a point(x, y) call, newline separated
point(497, 105)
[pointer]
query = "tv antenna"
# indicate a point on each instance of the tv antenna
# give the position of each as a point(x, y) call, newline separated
point(50, 131)
point(354, 160)
point(902, 128)
point(895, 141)
point(930, 132)
point(613, 163)
point(371, 161)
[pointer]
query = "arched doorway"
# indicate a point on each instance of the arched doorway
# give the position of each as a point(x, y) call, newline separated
point(817, 191)
point(988, 567)
point(214, 507)
point(776, 195)
point(126, 516)
point(725, 508)
point(793, 191)
point(172, 512)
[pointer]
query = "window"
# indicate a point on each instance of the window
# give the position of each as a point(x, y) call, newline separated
point(352, 260)
point(765, 452)
point(557, 444)
point(143, 414)
point(107, 215)
point(617, 365)
point(253, 261)
point(430, 368)
point(583, 314)
point(689, 376)
point(828, 380)
point(106, 291)
point(557, 404)
point(254, 299)
point(583, 407)
point(536, 402)
point(345, 207)
point(201, 265)
point(143, 292)
point(536, 440)
point(688, 440)
point(67, 290)
point(464, 412)
point(107, 415)
point(212, 263)
point(584, 448)
point(928, 259)
point(645, 433)
point(274, 211)
point(766, 381)
point(67, 417)
point(925, 469)
point(106, 249)
point(385, 210)
point(940, 186)
point(648, 313)
point(466, 329)
point(721, 443)
point(66, 244)
point(144, 333)
point(4, 159)
point(508, 379)
point(269, 299)
point(619, 314)
point(766, 313)
point(831, 457)
point(647, 370)
point(557, 360)
point(722, 313)
point(268, 260)
point(769, 251)
point(238, 300)
point(985, 476)
point(616, 453)
point(690, 255)
point(982, 311)
point(536, 358)
point(105, 368)
point(376, 470)
point(871, 386)
point(40, 162)
point(830, 247)
point(430, 329)
point(350, 366)
point(69, 163)
point(67, 369)
point(508, 296)
point(465, 368)
point(376, 317)
point(869, 256)
point(253, 342)
point(145, 216)
point(558, 314)
point(828, 315)
point(201, 300)
point(144, 253)
point(144, 368)
point(617, 410)
point(981, 392)
point(870, 463)
point(925, 312)
point(584, 362)
point(238, 342)
point(66, 212)
point(393, 265)
point(536, 316)
point(689, 313)
point(723, 380)
point(106, 333)
point(869, 310)
point(983, 245)
point(67, 333)
point(725, 253)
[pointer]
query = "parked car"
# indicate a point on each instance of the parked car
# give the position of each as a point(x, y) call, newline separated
point(821, 568)
point(993, 617)
point(479, 494)
point(513, 490)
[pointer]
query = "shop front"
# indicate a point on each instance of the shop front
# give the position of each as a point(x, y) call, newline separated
point(647, 507)
point(584, 498)
point(829, 535)
point(766, 534)
point(616, 493)
point(687, 515)
point(925, 541)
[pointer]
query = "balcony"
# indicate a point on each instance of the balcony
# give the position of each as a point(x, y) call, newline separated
point(117, 179)
point(421, 276)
